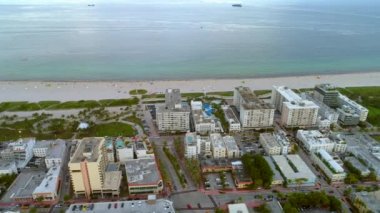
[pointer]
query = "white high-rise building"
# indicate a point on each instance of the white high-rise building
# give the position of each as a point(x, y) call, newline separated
point(177, 119)
point(254, 113)
point(173, 115)
point(295, 111)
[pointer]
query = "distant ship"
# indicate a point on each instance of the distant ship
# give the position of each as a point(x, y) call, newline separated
point(91, 5)
point(237, 5)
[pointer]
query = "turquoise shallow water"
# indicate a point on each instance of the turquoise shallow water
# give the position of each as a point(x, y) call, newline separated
point(133, 41)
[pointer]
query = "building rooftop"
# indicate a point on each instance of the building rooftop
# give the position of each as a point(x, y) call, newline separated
point(326, 87)
point(230, 114)
point(87, 149)
point(57, 149)
point(277, 176)
point(357, 164)
point(199, 116)
point(286, 163)
point(163, 108)
point(191, 139)
point(230, 143)
point(142, 171)
point(50, 182)
point(238, 208)
point(217, 140)
point(24, 185)
point(246, 94)
point(5, 164)
point(351, 102)
point(329, 161)
point(112, 180)
point(301, 104)
point(370, 199)
point(364, 147)
point(140, 206)
point(314, 137)
point(288, 94)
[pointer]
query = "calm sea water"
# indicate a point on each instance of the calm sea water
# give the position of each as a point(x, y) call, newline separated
point(132, 41)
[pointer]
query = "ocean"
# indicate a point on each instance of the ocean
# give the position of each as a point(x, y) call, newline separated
point(186, 40)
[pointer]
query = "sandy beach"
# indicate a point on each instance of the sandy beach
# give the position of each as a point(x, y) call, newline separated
point(38, 91)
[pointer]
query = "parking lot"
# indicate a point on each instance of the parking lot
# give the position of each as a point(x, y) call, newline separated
point(214, 181)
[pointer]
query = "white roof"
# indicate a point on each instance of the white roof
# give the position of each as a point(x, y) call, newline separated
point(230, 143)
point(49, 183)
point(217, 140)
point(287, 170)
point(238, 208)
point(330, 160)
point(196, 105)
point(287, 93)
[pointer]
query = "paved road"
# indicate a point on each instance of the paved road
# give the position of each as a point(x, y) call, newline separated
point(169, 167)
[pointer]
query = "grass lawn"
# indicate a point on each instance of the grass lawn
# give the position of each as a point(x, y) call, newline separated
point(138, 92)
point(262, 92)
point(113, 129)
point(47, 104)
point(135, 120)
point(222, 93)
point(192, 95)
point(119, 102)
point(10, 105)
point(369, 97)
point(153, 96)
point(57, 105)
point(377, 137)
point(9, 135)
point(76, 104)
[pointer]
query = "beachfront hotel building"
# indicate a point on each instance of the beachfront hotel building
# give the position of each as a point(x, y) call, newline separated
point(174, 115)
point(361, 111)
point(327, 94)
point(295, 111)
point(254, 113)
point(90, 172)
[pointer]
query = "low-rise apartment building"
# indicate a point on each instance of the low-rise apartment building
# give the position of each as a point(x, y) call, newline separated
point(275, 143)
point(295, 171)
point(143, 176)
point(330, 166)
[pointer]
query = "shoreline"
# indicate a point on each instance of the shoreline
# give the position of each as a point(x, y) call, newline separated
point(198, 79)
point(34, 91)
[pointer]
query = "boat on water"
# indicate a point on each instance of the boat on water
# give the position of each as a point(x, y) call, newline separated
point(237, 5)
point(91, 5)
